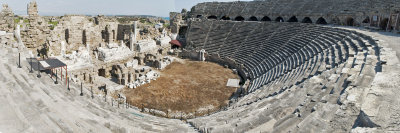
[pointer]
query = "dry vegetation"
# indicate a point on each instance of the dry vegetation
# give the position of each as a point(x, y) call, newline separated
point(185, 87)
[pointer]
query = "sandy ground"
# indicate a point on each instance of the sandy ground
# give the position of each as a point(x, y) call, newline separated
point(185, 87)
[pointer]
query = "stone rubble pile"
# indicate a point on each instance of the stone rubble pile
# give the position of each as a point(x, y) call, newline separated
point(113, 52)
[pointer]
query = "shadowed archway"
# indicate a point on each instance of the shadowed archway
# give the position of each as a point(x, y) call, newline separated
point(306, 20)
point(293, 19)
point(225, 18)
point(366, 20)
point(384, 23)
point(252, 18)
point(212, 17)
point(321, 20)
point(239, 18)
point(350, 21)
point(279, 19)
point(266, 18)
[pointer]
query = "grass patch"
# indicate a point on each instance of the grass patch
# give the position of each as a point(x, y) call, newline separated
point(53, 24)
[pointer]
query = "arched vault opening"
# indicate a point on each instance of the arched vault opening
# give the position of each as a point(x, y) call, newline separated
point(279, 19)
point(239, 18)
point(212, 17)
point(321, 20)
point(266, 18)
point(293, 19)
point(306, 20)
point(252, 18)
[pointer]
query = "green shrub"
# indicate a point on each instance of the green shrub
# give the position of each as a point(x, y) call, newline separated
point(17, 20)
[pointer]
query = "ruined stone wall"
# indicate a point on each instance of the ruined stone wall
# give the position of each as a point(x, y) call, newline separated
point(175, 21)
point(78, 30)
point(6, 19)
point(37, 30)
point(344, 12)
point(124, 30)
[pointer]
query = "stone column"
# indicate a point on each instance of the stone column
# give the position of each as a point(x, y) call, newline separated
point(135, 32)
point(131, 41)
point(201, 56)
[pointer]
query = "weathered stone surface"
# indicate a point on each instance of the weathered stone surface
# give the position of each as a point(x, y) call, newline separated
point(6, 19)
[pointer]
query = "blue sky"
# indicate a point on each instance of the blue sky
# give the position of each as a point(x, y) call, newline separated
point(106, 7)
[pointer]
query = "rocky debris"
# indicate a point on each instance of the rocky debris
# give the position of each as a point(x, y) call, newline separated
point(148, 45)
point(113, 52)
point(164, 62)
point(144, 76)
point(77, 59)
point(133, 64)
point(163, 40)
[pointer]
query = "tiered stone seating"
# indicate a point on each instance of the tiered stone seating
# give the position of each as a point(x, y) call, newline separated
point(306, 67)
point(31, 104)
point(198, 32)
point(237, 37)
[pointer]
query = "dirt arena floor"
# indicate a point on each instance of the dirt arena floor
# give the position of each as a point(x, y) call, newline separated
point(185, 87)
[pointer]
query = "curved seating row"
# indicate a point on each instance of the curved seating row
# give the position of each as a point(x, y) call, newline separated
point(307, 67)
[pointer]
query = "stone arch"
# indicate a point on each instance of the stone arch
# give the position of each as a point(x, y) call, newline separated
point(350, 21)
point(199, 16)
point(279, 19)
point(225, 18)
point(384, 23)
point(253, 18)
point(307, 20)
point(293, 19)
point(321, 20)
point(212, 17)
point(366, 20)
point(239, 18)
point(266, 18)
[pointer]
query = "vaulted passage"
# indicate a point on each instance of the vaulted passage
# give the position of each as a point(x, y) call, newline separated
point(321, 21)
point(349, 21)
point(366, 20)
point(383, 24)
point(225, 18)
point(212, 17)
point(279, 19)
point(102, 72)
point(293, 19)
point(306, 20)
point(253, 18)
point(239, 18)
point(266, 18)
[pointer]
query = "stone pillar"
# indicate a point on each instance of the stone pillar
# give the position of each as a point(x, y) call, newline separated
point(32, 10)
point(131, 41)
point(135, 32)
point(17, 34)
point(62, 48)
point(201, 56)
point(123, 79)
